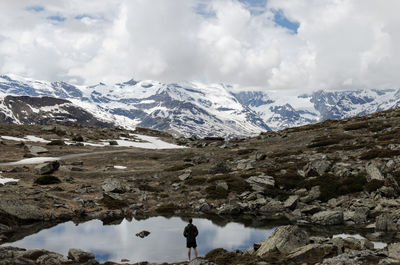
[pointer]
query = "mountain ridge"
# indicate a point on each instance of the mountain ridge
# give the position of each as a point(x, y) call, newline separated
point(193, 108)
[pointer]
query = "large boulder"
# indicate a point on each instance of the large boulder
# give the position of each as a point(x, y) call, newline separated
point(284, 239)
point(384, 222)
point(79, 255)
point(328, 218)
point(21, 210)
point(261, 182)
point(47, 168)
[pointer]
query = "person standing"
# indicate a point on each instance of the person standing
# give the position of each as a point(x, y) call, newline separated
point(191, 233)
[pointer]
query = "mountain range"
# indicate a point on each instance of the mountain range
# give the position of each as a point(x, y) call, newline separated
point(186, 108)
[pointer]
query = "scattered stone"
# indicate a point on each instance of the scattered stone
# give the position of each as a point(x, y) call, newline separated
point(113, 185)
point(291, 202)
point(384, 222)
point(185, 176)
point(317, 167)
point(51, 259)
point(47, 168)
point(373, 172)
point(57, 142)
point(200, 261)
point(113, 142)
point(394, 251)
point(245, 164)
point(143, 234)
point(35, 150)
point(261, 182)
point(205, 208)
point(17, 170)
point(77, 138)
point(312, 253)
point(328, 218)
point(222, 185)
point(77, 163)
point(79, 255)
point(313, 194)
point(285, 239)
point(78, 169)
point(47, 180)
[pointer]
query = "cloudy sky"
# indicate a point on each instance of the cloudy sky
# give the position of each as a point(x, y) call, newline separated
point(266, 44)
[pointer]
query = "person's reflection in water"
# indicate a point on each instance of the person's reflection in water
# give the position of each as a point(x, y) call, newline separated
point(191, 233)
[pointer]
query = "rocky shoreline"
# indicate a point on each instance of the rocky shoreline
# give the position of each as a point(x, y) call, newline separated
point(337, 173)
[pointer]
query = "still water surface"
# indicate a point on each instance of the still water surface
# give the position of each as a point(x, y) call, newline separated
point(165, 242)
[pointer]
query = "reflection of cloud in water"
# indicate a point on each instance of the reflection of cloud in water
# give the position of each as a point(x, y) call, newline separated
point(165, 242)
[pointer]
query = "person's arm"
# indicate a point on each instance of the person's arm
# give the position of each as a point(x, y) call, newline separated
point(185, 233)
point(196, 232)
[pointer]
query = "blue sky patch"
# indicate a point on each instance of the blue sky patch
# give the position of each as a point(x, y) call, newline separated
point(281, 20)
point(35, 8)
point(57, 18)
point(82, 16)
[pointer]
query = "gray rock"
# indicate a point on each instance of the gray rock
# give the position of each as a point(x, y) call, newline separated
point(328, 218)
point(285, 239)
point(113, 142)
point(21, 209)
point(51, 259)
point(272, 206)
point(373, 172)
point(77, 163)
point(312, 253)
point(313, 194)
point(291, 202)
point(200, 261)
point(222, 184)
point(245, 164)
point(185, 176)
point(261, 182)
point(79, 255)
point(113, 185)
point(143, 234)
point(394, 251)
point(358, 216)
point(317, 167)
point(384, 222)
point(56, 142)
point(35, 150)
point(205, 208)
point(47, 168)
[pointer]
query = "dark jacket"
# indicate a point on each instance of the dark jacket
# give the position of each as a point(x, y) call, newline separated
point(190, 232)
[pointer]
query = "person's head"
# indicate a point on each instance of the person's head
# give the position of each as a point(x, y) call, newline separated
point(190, 220)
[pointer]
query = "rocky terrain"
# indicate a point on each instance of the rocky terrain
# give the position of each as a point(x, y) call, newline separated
point(314, 181)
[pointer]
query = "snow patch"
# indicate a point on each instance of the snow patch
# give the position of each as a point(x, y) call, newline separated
point(28, 138)
point(119, 167)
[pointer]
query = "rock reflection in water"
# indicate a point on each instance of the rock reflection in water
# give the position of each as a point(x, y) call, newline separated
point(165, 243)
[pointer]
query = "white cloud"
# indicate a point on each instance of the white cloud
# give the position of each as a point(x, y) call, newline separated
point(340, 44)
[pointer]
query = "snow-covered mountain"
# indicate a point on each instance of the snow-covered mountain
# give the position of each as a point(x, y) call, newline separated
point(187, 108)
point(192, 108)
